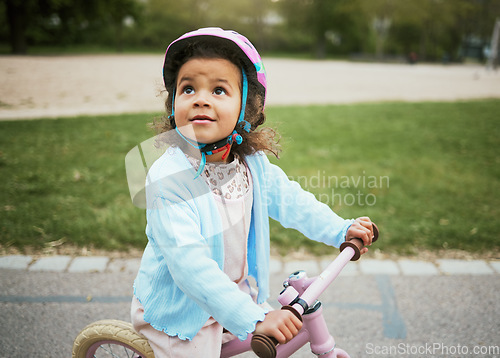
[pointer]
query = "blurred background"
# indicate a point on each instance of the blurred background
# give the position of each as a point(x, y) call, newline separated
point(389, 30)
point(432, 129)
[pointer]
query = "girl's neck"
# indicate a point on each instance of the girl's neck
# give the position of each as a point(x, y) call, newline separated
point(217, 157)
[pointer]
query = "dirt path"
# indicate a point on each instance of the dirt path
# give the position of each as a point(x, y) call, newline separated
point(53, 86)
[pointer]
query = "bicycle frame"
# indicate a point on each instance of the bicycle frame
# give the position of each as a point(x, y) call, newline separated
point(314, 329)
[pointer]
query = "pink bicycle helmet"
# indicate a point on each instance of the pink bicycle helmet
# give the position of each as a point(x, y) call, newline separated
point(253, 66)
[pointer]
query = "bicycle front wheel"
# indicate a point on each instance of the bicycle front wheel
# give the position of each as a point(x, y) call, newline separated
point(111, 338)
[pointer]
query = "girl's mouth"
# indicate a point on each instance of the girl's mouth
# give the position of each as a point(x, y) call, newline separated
point(201, 119)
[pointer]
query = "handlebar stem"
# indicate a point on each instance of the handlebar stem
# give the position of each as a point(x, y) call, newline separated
point(321, 282)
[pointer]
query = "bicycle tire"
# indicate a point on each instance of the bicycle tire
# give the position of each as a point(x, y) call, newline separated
point(109, 333)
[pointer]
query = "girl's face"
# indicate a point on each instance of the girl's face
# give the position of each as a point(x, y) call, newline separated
point(208, 99)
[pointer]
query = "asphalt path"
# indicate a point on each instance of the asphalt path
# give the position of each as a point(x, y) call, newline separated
point(369, 315)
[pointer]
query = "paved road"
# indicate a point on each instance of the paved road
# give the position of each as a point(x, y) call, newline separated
point(376, 308)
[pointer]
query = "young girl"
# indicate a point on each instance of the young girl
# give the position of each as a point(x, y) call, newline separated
point(209, 199)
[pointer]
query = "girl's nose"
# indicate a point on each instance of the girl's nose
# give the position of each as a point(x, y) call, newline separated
point(201, 100)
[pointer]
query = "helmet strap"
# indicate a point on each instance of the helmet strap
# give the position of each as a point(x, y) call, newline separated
point(172, 116)
point(244, 95)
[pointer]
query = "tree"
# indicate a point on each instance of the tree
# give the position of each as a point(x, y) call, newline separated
point(324, 24)
point(18, 13)
point(435, 29)
point(62, 21)
point(118, 11)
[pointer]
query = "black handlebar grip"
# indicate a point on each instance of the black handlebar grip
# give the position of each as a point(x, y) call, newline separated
point(357, 244)
point(264, 346)
point(375, 232)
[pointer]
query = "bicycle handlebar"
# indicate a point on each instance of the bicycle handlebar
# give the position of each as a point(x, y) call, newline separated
point(357, 244)
point(264, 346)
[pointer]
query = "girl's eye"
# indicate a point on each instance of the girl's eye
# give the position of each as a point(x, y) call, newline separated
point(219, 91)
point(188, 90)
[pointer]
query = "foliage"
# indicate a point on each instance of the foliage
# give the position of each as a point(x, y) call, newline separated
point(435, 167)
point(434, 29)
point(67, 22)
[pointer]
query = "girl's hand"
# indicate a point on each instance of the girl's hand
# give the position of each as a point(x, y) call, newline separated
point(362, 228)
point(282, 325)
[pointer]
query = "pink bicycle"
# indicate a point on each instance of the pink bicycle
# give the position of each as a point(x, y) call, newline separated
point(300, 296)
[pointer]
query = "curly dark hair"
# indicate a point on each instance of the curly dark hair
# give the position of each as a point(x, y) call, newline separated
point(261, 139)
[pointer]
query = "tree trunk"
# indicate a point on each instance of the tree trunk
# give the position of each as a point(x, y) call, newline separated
point(17, 16)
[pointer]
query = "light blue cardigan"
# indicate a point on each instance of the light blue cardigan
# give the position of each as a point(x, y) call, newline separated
point(181, 282)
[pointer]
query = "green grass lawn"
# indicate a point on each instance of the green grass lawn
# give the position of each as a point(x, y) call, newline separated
point(427, 173)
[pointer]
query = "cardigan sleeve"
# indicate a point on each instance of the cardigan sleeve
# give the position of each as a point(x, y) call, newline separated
point(298, 209)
